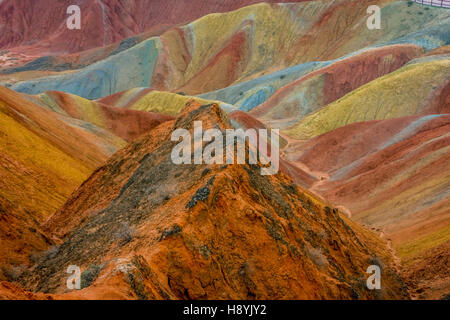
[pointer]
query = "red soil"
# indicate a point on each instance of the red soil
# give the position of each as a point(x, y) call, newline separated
point(439, 102)
point(39, 26)
point(430, 270)
point(399, 186)
point(12, 291)
point(361, 144)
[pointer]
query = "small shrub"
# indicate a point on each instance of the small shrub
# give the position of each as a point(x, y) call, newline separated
point(13, 273)
point(176, 229)
point(445, 297)
point(36, 257)
point(52, 252)
point(88, 276)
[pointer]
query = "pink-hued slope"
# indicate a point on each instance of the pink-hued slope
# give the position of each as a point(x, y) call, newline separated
point(39, 26)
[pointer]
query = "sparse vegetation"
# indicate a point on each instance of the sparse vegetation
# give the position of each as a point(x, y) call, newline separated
point(36, 256)
point(170, 232)
point(200, 195)
point(51, 253)
point(13, 273)
point(88, 276)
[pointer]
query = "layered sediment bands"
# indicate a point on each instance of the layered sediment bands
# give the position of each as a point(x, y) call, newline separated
point(244, 44)
point(125, 99)
point(311, 92)
point(411, 90)
point(410, 203)
point(64, 49)
point(226, 66)
point(103, 22)
point(125, 123)
point(162, 102)
point(43, 158)
point(206, 231)
point(87, 179)
point(46, 155)
point(250, 94)
point(48, 146)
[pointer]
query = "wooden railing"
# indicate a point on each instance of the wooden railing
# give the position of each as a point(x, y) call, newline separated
point(436, 3)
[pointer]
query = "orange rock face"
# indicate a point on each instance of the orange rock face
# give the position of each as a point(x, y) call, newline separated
point(158, 230)
point(44, 157)
point(87, 176)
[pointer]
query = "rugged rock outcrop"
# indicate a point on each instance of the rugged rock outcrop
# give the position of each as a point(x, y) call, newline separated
point(48, 147)
point(157, 230)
